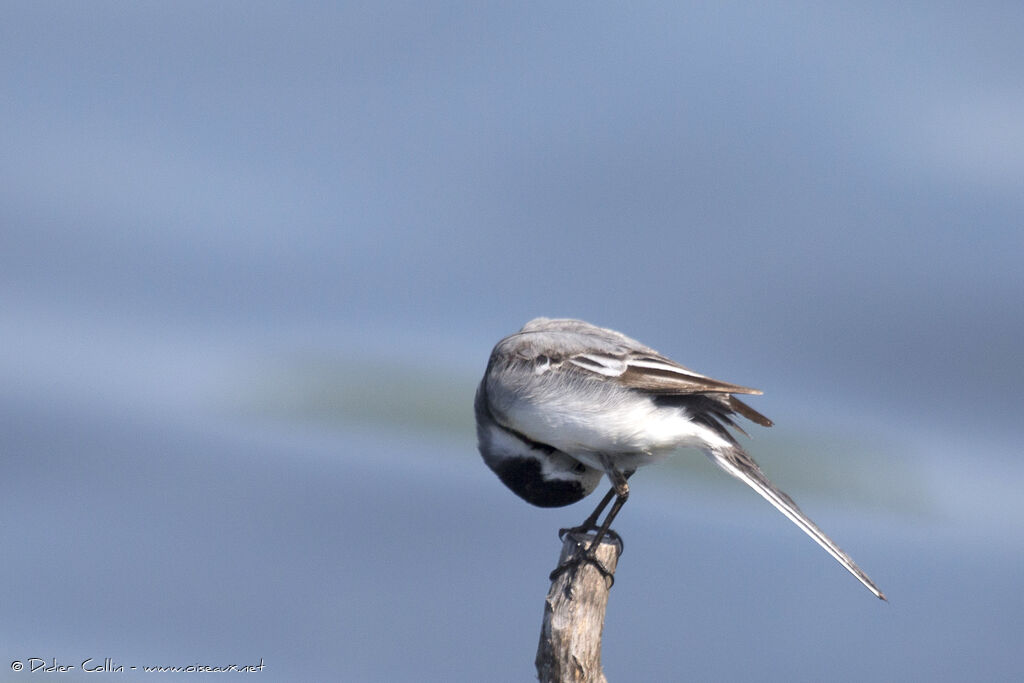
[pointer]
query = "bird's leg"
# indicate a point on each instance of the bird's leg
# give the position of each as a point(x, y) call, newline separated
point(620, 490)
point(590, 523)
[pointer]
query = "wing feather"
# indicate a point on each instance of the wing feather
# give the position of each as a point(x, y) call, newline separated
point(678, 380)
point(657, 375)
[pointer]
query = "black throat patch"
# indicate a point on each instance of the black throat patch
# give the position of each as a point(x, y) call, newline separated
point(523, 476)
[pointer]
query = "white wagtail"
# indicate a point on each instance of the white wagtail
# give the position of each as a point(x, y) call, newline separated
point(563, 402)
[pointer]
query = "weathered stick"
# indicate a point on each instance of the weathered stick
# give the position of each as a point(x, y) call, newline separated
point(570, 638)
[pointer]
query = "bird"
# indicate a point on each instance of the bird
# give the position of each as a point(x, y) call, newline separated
point(564, 403)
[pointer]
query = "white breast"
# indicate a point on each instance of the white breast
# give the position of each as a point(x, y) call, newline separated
point(614, 423)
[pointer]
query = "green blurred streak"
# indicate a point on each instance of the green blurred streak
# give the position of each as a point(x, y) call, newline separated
point(338, 391)
point(334, 390)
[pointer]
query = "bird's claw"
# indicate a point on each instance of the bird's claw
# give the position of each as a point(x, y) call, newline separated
point(587, 555)
point(574, 562)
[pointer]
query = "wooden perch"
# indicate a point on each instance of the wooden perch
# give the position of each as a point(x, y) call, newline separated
point(570, 637)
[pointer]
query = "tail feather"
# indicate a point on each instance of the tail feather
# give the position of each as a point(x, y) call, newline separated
point(736, 462)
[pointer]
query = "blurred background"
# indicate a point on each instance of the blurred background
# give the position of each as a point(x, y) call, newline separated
point(253, 259)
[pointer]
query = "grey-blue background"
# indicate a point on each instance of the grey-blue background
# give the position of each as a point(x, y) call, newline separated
point(253, 258)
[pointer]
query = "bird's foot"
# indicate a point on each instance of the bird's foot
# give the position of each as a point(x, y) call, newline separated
point(585, 554)
point(573, 564)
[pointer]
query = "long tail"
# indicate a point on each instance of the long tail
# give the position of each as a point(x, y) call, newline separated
point(736, 462)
